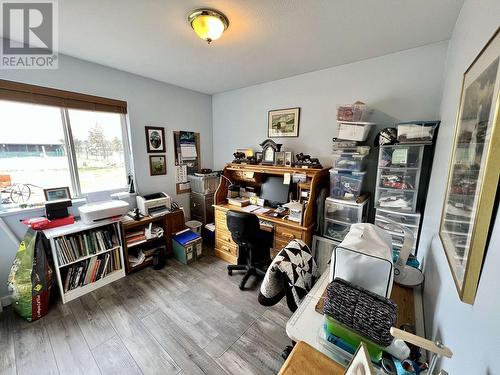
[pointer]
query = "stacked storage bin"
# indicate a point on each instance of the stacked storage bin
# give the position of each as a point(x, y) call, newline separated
point(397, 190)
point(348, 173)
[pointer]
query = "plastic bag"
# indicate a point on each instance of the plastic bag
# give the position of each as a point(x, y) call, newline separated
point(30, 278)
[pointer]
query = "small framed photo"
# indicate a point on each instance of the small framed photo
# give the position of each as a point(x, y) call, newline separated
point(288, 158)
point(155, 139)
point(55, 194)
point(258, 156)
point(157, 165)
point(283, 123)
point(280, 158)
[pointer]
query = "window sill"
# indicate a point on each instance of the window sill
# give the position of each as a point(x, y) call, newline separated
point(75, 203)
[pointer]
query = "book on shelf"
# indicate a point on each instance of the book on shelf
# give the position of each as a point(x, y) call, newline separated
point(90, 270)
point(70, 248)
point(239, 201)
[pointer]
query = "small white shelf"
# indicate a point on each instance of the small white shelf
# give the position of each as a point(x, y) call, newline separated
point(75, 228)
point(88, 256)
point(82, 290)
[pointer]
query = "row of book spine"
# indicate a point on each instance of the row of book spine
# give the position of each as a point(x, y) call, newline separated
point(90, 270)
point(72, 247)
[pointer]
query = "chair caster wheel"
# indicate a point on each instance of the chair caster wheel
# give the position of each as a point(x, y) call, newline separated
point(229, 272)
point(242, 287)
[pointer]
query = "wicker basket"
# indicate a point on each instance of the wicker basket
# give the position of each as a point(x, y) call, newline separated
point(365, 312)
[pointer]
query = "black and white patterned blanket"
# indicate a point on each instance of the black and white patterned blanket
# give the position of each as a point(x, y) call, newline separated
point(295, 266)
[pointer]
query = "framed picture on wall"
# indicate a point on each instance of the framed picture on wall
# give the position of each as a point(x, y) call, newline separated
point(283, 123)
point(155, 139)
point(157, 165)
point(474, 172)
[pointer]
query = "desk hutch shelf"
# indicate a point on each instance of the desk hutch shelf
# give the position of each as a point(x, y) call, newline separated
point(283, 230)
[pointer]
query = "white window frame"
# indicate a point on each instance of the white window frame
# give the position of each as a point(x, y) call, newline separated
point(72, 161)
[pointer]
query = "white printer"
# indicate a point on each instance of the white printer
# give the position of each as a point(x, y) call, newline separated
point(103, 210)
point(153, 204)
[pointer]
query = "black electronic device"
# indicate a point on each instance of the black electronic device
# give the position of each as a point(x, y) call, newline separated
point(57, 209)
point(274, 191)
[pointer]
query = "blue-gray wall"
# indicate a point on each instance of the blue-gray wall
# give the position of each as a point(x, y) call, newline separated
point(149, 103)
point(472, 332)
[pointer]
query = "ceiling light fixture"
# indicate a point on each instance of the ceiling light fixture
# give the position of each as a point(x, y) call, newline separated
point(208, 24)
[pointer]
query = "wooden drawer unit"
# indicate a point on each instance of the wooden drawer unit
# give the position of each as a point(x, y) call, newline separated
point(224, 235)
point(284, 233)
point(227, 247)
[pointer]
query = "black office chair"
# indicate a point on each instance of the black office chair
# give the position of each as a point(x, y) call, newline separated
point(253, 245)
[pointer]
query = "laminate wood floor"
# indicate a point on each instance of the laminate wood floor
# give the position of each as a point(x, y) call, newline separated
point(179, 320)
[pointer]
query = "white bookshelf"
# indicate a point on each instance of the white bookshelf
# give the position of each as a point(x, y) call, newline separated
point(73, 229)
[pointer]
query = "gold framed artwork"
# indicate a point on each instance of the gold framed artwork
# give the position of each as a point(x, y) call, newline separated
point(474, 171)
point(283, 123)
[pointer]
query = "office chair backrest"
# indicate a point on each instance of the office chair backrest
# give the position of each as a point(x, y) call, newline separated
point(243, 226)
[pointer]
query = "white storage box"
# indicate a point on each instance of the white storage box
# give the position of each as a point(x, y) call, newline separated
point(204, 184)
point(354, 131)
point(364, 258)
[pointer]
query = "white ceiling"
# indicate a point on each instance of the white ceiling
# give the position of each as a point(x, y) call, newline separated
point(266, 39)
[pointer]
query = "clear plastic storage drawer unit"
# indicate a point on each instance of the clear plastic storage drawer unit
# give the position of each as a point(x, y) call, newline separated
point(345, 161)
point(348, 212)
point(400, 156)
point(407, 219)
point(335, 230)
point(398, 179)
point(346, 184)
point(396, 200)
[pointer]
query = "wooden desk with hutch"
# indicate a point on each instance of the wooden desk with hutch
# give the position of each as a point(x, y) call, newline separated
point(284, 230)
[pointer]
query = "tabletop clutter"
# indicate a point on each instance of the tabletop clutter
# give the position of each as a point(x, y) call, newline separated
point(356, 305)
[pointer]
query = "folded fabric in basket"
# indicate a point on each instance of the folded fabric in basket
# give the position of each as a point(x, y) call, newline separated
point(365, 312)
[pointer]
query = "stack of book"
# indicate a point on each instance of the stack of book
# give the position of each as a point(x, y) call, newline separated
point(70, 248)
point(135, 237)
point(92, 269)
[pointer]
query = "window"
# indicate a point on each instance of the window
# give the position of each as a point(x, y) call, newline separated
point(45, 146)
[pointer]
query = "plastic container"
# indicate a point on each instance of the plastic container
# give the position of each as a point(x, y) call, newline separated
point(416, 131)
point(403, 201)
point(400, 156)
point(349, 161)
point(346, 184)
point(205, 184)
point(352, 338)
point(407, 219)
point(352, 112)
point(335, 230)
point(195, 226)
point(348, 212)
point(355, 131)
point(398, 179)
